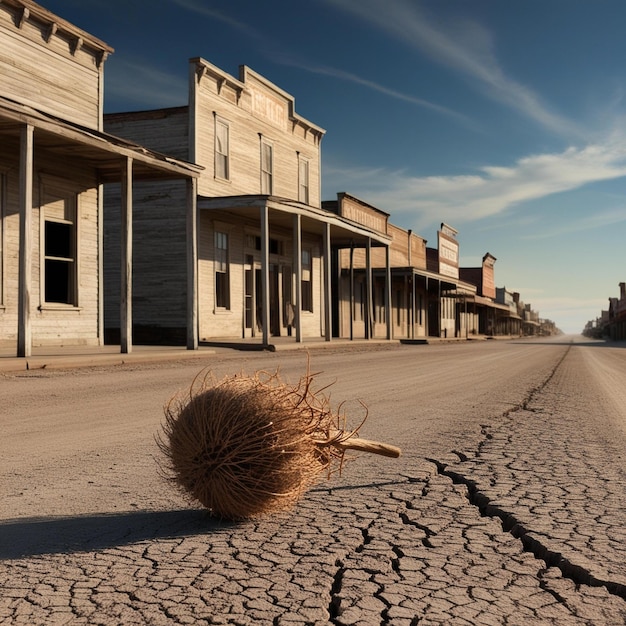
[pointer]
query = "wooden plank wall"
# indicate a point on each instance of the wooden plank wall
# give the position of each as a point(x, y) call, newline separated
point(46, 73)
point(163, 130)
point(159, 253)
point(51, 324)
point(221, 323)
point(247, 122)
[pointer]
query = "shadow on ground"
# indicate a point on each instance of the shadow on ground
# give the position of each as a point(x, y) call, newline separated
point(27, 537)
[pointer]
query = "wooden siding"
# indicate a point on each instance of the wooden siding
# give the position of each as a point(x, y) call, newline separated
point(256, 109)
point(159, 256)
point(162, 130)
point(51, 324)
point(230, 323)
point(51, 72)
point(252, 108)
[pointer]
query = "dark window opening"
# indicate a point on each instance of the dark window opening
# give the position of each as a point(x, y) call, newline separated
point(59, 263)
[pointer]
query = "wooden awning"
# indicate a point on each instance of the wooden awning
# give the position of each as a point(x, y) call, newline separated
point(344, 232)
point(103, 151)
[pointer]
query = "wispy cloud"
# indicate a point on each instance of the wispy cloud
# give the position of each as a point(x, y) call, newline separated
point(288, 58)
point(425, 201)
point(201, 8)
point(145, 85)
point(463, 46)
point(374, 86)
point(585, 224)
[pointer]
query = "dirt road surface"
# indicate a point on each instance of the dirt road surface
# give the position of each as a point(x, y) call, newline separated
point(507, 506)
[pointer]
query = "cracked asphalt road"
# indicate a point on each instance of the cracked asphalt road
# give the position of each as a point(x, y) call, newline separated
point(508, 505)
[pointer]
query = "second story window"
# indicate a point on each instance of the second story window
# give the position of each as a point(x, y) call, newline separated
point(222, 150)
point(267, 167)
point(222, 278)
point(303, 180)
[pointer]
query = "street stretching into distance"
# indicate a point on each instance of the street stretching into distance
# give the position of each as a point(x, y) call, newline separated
point(507, 505)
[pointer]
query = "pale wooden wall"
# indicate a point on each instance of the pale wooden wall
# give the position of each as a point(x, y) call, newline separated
point(162, 130)
point(220, 323)
point(159, 210)
point(159, 255)
point(49, 73)
point(289, 138)
point(51, 324)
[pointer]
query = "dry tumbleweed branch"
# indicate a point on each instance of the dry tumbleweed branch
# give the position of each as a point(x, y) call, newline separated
point(249, 445)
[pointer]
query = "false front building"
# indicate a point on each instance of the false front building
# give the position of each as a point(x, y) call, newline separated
point(54, 159)
point(264, 246)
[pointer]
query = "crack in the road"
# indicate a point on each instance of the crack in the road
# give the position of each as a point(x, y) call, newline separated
point(334, 608)
point(425, 529)
point(531, 544)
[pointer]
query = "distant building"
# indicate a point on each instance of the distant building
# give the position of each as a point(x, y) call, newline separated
point(512, 320)
point(493, 316)
point(616, 316)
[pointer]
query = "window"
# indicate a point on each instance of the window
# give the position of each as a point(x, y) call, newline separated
point(222, 150)
point(267, 167)
point(276, 246)
point(359, 300)
point(2, 211)
point(59, 262)
point(307, 281)
point(59, 278)
point(303, 180)
point(379, 302)
point(399, 306)
point(222, 287)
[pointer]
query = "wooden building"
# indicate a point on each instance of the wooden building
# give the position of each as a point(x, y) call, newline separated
point(265, 244)
point(408, 291)
point(616, 326)
point(492, 317)
point(54, 159)
point(510, 322)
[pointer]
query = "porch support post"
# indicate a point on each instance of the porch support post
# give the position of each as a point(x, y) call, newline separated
point(24, 333)
point(388, 290)
point(352, 307)
point(297, 264)
point(126, 265)
point(369, 322)
point(265, 274)
point(328, 292)
point(192, 264)
point(413, 307)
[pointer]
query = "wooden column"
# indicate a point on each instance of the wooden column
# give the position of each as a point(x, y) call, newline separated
point(352, 306)
point(388, 290)
point(100, 265)
point(24, 333)
point(297, 264)
point(126, 265)
point(413, 304)
point(192, 264)
point(265, 273)
point(369, 309)
point(328, 292)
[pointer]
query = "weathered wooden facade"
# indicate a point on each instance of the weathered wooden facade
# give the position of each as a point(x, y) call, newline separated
point(409, 291)
point(54, 159)
point(265, 244)
point(510, 323)
point(491, 317)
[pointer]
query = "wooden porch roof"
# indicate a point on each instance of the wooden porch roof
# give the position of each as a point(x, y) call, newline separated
point(104, 152)
point(344, 232)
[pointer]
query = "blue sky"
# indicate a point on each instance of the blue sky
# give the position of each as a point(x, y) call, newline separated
point(504, 118)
